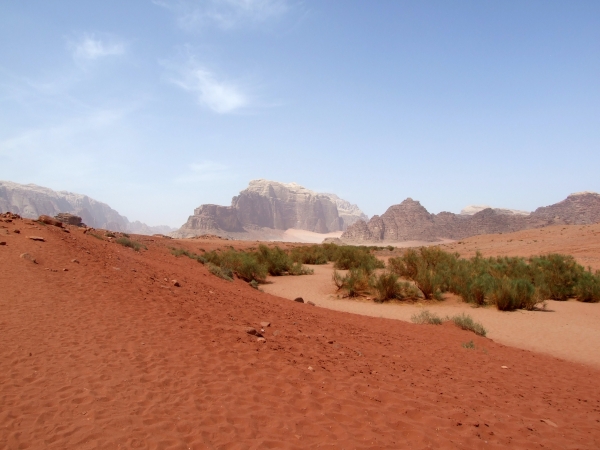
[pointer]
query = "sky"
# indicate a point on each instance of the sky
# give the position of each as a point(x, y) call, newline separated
point(158, 106)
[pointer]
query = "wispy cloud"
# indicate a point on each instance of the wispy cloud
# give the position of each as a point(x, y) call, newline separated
point(225, 14)
point(221, 96)
point(88, 47)
point(205, 171)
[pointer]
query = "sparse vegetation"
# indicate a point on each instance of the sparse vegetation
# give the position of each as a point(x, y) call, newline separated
point(469, 345)
point(465, 322)
point(508, 282)
point(251, 266)
point(126, 242)
point(426, 317)
point(226, 274)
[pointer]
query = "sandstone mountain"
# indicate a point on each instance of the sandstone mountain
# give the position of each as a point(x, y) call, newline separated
point(474, 209)
point(31, 201)
point(269, 205)
point(410, 221)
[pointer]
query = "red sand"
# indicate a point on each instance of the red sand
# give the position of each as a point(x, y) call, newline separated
point(108, 354)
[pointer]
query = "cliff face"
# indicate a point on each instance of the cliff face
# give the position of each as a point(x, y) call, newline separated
point(272, 205)
point(409, 221)
point(31, 201)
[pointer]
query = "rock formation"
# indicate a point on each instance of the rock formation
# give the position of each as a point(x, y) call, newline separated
point(410, 221)
point(32, 201)
point(265, 205)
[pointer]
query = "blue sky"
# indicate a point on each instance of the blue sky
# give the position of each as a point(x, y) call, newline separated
point(156, 107)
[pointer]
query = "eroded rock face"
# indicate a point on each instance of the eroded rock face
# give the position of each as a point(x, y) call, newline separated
point(409, 221)
point(32, 201)
point(273, 205)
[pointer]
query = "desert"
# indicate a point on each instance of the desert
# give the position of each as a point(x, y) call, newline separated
point(299, 224)
point(106, 347)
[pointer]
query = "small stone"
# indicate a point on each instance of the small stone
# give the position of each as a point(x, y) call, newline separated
point(299, 300)
point(36, 238)
point(265, 324)
point(175, 283)
point(75, 261)
point(330, 342)
point(311, 369)
point(251, 331)
point(17, 231)
point(549, 422)
point(504, 367)
point(166, 279)
point(276, 333)
point(65, 270)
point(2, 242)
point(28, 257)
point(261, 339)
point(50, 221)
point(310, 303)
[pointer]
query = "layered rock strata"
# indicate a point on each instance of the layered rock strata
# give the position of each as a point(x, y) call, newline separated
point(410, 221)
point(270, 205)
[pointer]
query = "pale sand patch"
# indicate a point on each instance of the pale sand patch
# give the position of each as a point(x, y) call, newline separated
point(568, 330)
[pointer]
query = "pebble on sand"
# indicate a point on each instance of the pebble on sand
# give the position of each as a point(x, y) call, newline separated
point(28, 257)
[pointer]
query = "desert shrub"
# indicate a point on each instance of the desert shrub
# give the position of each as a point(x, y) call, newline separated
point(477, 290)
point(245, 265)
point(587, 288)
point(313, 254)
point(556, 275)
point(469, 345)
point(466, 322)
point(97, 236)
point(428, 269)
point(387, 286)
point(510, 294)
point(126, 235)
point(348, 257)
point(425, 317)
point(224, 273)
point(356, 282)
point(110, 234)
point(183, 252)
point(254, 284)
point(126, 242)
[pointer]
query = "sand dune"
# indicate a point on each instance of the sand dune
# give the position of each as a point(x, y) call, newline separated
point(110, 354)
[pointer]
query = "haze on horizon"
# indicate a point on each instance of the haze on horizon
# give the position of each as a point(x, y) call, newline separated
point(158, 106)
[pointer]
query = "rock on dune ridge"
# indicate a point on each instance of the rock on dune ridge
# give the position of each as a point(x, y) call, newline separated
point(31, 201)
point(271, 205)
point(410, 221)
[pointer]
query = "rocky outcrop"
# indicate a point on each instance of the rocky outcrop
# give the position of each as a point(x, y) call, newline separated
point(31, 201)
point(272, 205)
point(348, 212)
point(410, 221)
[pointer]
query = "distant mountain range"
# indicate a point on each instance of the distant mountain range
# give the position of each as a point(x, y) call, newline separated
point(265, 206)
point(31, 201)
point(410, 221)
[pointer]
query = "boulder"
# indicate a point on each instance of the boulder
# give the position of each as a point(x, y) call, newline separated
point(50, 221)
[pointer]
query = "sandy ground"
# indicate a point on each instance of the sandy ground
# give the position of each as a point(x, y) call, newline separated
point(111, 354)
point(568, 330)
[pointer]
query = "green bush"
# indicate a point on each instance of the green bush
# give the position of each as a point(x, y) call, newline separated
point(245, 265)
point(465, 322)
point(388, 287)
point(587, 288)
point(126, 242)
point(356, 282)
point(226, 274)
point(348, 257)
point(313, 254)
point(425, 317)
point(556, 275)
point(509, 294)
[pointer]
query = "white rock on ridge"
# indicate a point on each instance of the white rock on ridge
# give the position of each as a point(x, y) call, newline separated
point(474, 209)
point(31, 201)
